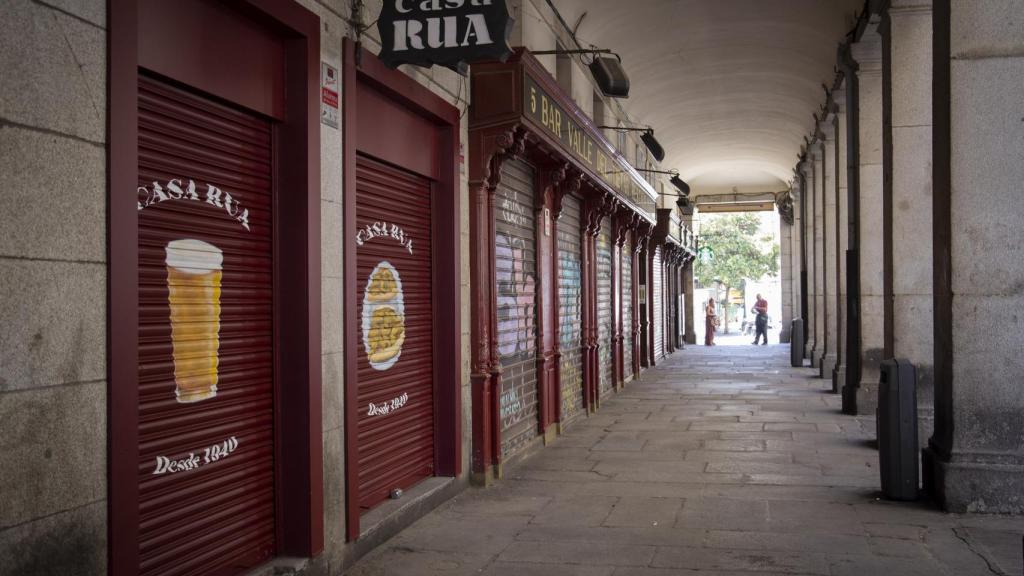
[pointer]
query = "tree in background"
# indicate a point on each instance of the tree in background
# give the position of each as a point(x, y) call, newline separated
point(740, 253)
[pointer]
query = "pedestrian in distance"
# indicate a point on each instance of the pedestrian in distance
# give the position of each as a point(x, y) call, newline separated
point(710, 322)
point(761, 322)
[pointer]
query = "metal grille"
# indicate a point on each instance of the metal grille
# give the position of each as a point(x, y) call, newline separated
point(395, 358)
point(657, 297)
point(515, 264)
point(570, 309)
point(604, 309)
point(206, 326)
point(627, 310)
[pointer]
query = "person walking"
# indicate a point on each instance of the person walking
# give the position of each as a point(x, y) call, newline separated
point(761, 322)
point(709, 322)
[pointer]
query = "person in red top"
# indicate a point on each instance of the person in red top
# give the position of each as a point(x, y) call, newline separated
point(761, 323)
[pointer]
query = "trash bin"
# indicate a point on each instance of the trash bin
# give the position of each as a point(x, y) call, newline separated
point(896, 427)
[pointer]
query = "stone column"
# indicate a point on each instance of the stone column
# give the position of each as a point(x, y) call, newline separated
point(907, 56)
point(818, 191)
point(796, 247)
point(807, 172)
point(785, 277)
point(978, 447)
point(690, 336)
point(867, 52)
point(829, 244)
point(842, 237)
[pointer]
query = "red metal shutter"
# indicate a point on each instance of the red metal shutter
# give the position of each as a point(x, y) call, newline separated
point(516, 266)
point(394, 308)
point(657, 295)
point(570, 312)
point(605, 317)
point(627, 310)
point(206, 346)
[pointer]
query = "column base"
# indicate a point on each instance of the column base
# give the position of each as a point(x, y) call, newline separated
point(867, 398)
point(826, 365)
point(813, 355)
point(551, 434)
point(976, 483)
point(483, 479)
point(785, 336)
point(838, 378)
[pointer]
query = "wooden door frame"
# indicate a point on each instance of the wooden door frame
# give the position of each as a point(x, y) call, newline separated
point(298, 436)
point(361, 66)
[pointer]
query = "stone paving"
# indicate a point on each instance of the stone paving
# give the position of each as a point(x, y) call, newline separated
point(721, 461)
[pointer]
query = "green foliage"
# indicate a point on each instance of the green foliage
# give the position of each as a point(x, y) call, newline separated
point(740, 254)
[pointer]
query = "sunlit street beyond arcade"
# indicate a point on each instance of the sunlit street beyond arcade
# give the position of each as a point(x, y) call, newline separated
point(720, 461)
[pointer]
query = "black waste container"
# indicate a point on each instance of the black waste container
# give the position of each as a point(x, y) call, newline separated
point(896, 427)
point(796, 343)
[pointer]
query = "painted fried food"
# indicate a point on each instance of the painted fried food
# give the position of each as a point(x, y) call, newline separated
point(387, 334)
point(382, 286)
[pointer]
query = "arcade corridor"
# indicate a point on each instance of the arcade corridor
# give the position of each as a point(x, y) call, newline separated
point(721, 461)
point(325, 287)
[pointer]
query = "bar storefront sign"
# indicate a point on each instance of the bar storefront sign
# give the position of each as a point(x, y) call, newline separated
point(546, 113)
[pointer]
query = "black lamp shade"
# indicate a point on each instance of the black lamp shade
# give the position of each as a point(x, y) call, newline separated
point(683, 187)
point(653, 145)
point(610, 77)
point(685, 206)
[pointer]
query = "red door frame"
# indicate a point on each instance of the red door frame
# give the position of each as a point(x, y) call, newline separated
point(368, 68)
point(298, 436)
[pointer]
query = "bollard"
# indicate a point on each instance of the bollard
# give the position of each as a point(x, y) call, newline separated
point(896, 428)
point(796, 343)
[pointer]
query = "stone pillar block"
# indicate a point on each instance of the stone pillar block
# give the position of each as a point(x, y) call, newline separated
point(975, 460)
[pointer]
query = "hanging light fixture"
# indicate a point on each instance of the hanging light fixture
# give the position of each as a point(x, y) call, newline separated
point(608, 72)
point(647, 137)
point(675, 180)
point(683, 187)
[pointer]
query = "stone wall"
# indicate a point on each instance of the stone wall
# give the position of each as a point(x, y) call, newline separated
point(53, 288)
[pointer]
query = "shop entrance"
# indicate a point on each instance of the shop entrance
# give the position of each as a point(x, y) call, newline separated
point(395, 315)
point(402, 286)
point(214, 339)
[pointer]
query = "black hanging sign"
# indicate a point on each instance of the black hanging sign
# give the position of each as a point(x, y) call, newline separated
point(450, 33)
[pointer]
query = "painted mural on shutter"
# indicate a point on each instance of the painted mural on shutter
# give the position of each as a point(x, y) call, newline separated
point(606, 369)
point(657, 296)
point(570, 312)
point(516, 266)
point(627, 310)
point(394, 299)
point(206, 335)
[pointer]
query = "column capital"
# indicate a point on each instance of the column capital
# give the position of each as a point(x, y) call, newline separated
point(908, 7)
point(784, 202)
point(827, 126)
point(867, 53)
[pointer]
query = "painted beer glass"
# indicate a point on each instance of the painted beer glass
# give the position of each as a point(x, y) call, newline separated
point(194, 271)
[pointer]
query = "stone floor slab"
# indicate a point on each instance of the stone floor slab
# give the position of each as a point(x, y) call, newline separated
point(721, 461)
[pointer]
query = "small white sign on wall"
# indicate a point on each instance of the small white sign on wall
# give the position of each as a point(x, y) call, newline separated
point(328, 95)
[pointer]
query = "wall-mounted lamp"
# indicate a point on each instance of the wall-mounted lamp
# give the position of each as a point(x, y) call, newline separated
point(683, 198)
point(675, 180)
point(611, 78)
point(647, 137)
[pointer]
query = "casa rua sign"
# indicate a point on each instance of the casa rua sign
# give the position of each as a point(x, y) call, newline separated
point(449, 33)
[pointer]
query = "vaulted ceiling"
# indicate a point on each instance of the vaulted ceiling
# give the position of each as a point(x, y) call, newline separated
point(728, 85)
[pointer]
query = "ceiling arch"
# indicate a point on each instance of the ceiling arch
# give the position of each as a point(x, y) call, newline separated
point(728, 85)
